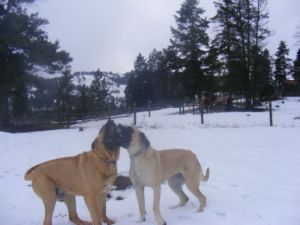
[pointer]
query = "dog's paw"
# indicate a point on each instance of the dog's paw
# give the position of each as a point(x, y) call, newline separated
point(141, 220)
point(161, 221)
point(177, 206)
point(109, 221)
point(200, 209)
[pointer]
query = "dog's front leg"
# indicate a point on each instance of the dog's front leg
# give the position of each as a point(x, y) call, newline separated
point(156, 201)
point(102, 203)
point(139, 190)
point(70, 202)
point(93, 207)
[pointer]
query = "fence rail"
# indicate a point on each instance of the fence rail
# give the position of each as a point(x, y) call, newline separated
point(54, 120)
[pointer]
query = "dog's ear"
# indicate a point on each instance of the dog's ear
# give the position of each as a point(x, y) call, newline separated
point(144, 140)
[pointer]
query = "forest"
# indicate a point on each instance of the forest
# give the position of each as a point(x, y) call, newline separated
point(234, 61)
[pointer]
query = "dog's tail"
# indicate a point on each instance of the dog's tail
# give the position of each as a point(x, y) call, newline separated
point(28, 174)
point(206, 176)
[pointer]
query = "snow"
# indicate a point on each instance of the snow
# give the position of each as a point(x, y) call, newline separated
point(254, 168)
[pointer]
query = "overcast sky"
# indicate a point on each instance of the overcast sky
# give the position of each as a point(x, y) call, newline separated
point(109, 34)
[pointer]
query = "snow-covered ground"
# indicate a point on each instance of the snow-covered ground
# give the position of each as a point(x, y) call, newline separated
point(254, 168)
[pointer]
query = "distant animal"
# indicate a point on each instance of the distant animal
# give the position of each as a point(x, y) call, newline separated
point(209, 103)
point(89, 174)
point(149, 167)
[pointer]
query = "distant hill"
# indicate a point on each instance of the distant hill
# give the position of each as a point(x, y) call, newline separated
point(42, 88)
point(116, 82)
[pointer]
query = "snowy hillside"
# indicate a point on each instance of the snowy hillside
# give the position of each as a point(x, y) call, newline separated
point(116, 89)
point(254, 168)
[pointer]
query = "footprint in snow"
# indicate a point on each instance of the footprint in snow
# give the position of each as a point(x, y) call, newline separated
point(246, 196)
point(221, 214)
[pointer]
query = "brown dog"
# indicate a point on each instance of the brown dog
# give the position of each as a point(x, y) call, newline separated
point(89, 174)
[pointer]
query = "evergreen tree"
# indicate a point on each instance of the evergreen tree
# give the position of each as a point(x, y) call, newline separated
point(140, 64)
point(296, 69)
point(42, 95)
point(225, 41)
point(281, 66)
point(99, 92)
point(65, 96)
point(24, 49)
point(240, 37)
point(131, 94)
point(139, 88)
point(213, 71)
point(190, 42)
point(159, 74)
point(262, 75)
point(84, 100)
point(172, 64)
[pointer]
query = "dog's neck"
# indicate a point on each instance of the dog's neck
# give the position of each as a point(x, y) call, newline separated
point(110, 161)
point(139, 152)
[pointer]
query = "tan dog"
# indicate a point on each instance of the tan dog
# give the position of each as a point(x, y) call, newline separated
point(88, 174)
point(149, 167)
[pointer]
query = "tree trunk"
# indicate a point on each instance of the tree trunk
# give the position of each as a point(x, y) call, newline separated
point(4, 113)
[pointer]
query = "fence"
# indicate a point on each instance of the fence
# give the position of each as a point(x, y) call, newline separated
point(202, 108)
point(52, 120)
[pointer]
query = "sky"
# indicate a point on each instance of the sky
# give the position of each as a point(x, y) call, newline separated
point(109, 34)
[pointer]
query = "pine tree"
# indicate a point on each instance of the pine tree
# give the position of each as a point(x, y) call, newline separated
point(262, 75)
point(190, 42)
point(84, 100)
point(24, 49)
point(282, 65)
point(139, 88)
point(140, 64)
point(213, 71)
point(240, 37)
point(131, 88)
point(296, 69)
point(65, 96)
point(159, 74)
point(99, 92)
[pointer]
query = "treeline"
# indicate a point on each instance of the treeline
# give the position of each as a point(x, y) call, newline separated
point(78, 95)
point(25, 54)
point(235, 61)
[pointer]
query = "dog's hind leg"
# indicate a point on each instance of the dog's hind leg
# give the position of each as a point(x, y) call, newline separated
point(192, 184)
point(176, 182)
point(45, 189)
point(70, 202)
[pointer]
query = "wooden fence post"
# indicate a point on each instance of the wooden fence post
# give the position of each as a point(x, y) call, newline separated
point(201, 113)
point(149, 108)
point(270, 113)
point(109, 112)
point(200, 106)
point(134, 113)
